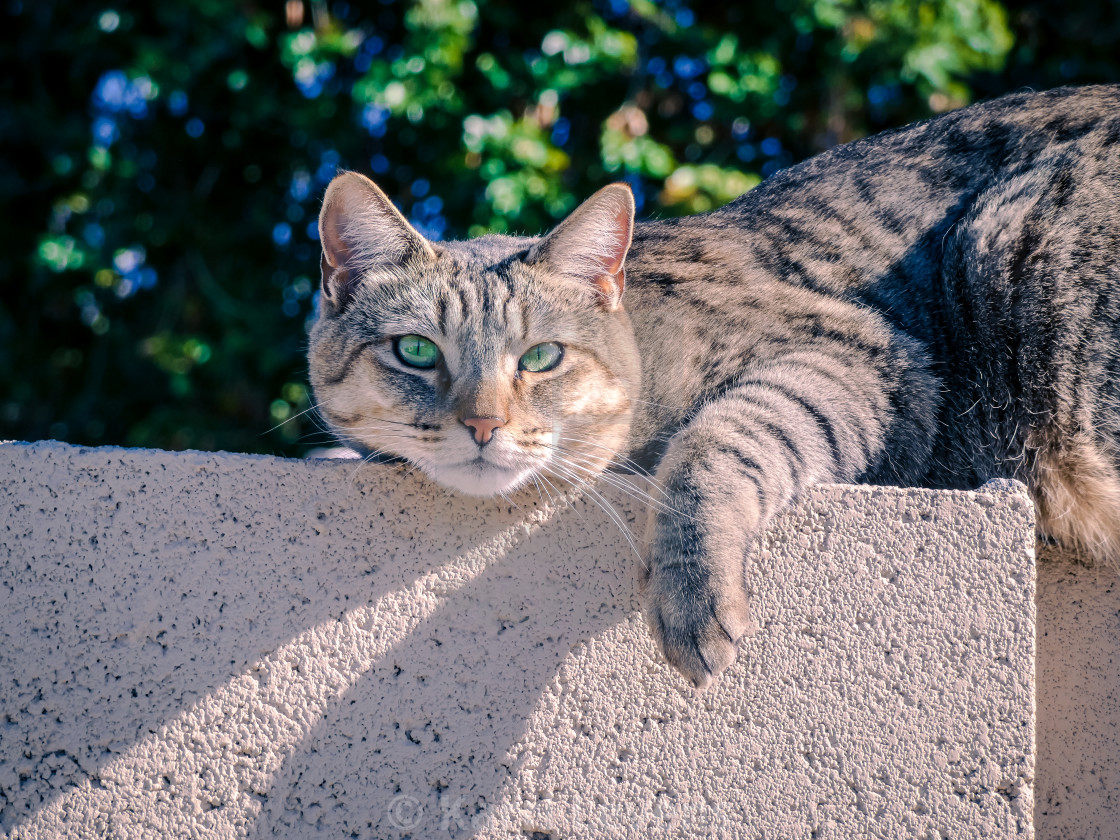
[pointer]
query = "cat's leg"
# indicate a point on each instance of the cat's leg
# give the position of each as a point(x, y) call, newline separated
point(808, 418)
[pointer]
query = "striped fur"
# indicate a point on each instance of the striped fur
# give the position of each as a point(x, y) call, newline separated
point(934, 306)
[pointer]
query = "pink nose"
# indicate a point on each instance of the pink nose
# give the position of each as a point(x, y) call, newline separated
point(484, 427)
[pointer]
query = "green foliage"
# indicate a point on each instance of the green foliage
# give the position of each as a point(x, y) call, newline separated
point(162, 163)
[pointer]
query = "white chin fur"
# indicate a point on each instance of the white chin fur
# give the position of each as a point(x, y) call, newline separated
point(480, 480)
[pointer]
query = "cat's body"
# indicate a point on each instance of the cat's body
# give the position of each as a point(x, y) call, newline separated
point(934, 306)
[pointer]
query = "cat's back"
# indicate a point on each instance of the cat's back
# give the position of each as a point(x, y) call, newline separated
point(952, 151)
point(927, 231)
point(866, 222)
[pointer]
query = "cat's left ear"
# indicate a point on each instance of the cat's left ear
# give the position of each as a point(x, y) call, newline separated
point(591, 244)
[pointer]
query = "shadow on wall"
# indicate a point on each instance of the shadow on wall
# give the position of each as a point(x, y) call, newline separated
point(214, 667)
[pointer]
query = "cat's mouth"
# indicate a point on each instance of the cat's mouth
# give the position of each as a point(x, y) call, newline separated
point(480, 477)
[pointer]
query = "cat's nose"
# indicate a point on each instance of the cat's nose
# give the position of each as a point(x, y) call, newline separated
point(484, 427)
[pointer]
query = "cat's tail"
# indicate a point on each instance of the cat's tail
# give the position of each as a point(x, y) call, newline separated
point(1076, 489)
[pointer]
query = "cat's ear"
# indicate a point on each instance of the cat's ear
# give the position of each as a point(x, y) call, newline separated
point(591, 244)
point(360, 231)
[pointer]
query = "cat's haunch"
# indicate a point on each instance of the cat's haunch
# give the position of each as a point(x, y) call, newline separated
point(935, 306)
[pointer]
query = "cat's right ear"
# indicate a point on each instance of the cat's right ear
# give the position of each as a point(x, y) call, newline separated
point(361, 231)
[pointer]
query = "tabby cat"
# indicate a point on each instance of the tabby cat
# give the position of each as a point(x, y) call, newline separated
point(934, 306)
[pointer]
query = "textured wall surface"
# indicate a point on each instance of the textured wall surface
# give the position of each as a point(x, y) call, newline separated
point(1078, 701)
point(215, 645)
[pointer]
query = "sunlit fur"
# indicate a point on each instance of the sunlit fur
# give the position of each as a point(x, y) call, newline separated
point(483, 306)
point(935, 306)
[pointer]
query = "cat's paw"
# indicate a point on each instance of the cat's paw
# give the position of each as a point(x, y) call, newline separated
point(696, 627)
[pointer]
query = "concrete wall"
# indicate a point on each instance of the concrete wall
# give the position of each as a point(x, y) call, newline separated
point(215, 645)
point(1078, 701)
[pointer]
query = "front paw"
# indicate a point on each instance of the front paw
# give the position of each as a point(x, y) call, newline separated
point(695, 624)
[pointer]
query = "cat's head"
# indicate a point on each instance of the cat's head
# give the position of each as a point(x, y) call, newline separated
point(486, 362)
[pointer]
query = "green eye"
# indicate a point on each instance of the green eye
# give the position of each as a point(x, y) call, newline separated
point(416, 351)
point(542, 357)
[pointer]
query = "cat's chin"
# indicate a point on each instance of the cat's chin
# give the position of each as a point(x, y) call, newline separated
point(481, 479)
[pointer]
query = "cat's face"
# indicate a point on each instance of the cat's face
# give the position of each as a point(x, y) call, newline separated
point(487, 363)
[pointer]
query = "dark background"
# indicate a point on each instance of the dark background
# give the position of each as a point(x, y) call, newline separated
point(161, 164)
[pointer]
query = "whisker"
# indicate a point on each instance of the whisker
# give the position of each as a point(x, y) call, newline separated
point(638, 468)
point(561, 494)
point(363, 462)
point(508, 500)
point(293, 417)
point(415, 467)
point(619, 481)
point(576, 452)
point(541, 492)
point(601, 501)
point(630, 490)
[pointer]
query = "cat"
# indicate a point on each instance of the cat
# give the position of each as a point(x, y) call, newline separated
point(934, 306)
